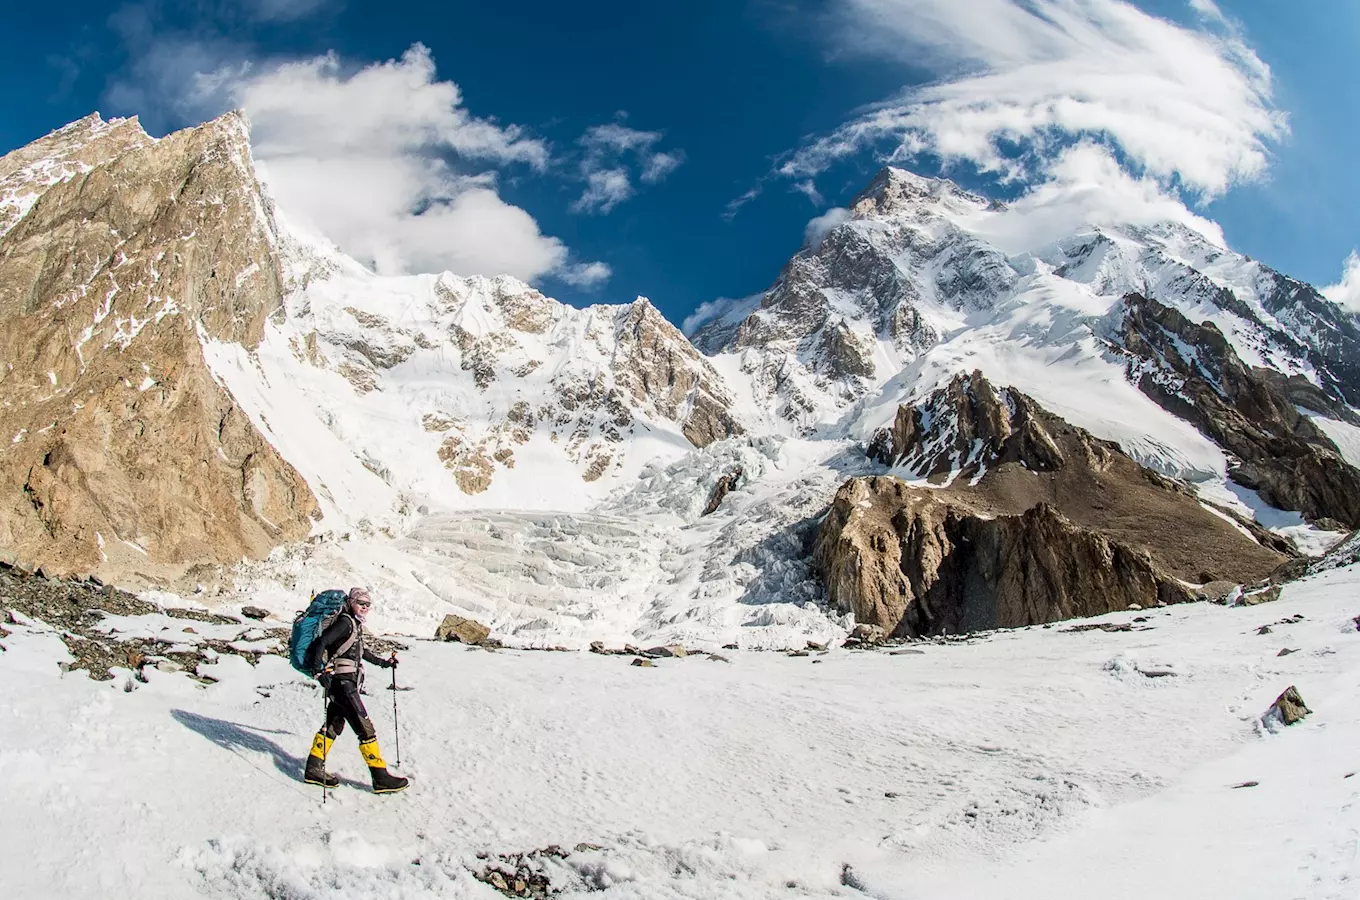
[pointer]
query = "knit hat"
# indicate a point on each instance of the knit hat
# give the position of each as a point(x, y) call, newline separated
point(358, 594)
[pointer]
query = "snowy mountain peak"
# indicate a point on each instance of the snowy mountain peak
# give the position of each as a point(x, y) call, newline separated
point(71, 150)
point(895, 191)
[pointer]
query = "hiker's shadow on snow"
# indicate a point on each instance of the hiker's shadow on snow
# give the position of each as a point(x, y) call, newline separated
point(238, 738)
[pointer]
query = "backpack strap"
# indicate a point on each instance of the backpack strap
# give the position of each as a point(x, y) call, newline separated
point(338, 665)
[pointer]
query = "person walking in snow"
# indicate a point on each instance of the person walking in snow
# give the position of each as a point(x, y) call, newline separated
point(339, 655)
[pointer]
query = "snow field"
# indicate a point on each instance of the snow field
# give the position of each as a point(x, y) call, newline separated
point(1018, 764)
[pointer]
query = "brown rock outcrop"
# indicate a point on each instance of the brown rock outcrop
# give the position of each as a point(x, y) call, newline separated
point(909, 561)
point(123, 454)
point(1031, 520)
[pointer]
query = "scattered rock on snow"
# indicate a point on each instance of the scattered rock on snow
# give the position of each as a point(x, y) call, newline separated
point(1264, 595)
point(865, 633)
point(1286, 651)
point(1110, 627)
point(522, 874)
point(666, 652)
point(1264, 629)
point(644, 663)
point(1287, 709)
point(456, 628)
point(1246, 784)
point(254, 612)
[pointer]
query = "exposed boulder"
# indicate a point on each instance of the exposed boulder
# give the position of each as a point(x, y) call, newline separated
point(254, 612)
point(726, 484)
point(1287, 709)
point(1192, 371)
point(467, 631)
point(667, 652)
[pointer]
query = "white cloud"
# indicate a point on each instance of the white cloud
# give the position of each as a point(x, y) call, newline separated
point(1086, 186)
point(808, 188)
point(388, 163)
point(605, 189)
point(819, 227)
point(606, 169)
point(724, 309)
point(1346, 293)
point(586, 275)
point(1209, 10)
point(734, 206)
point(659, 165)
point(1019, 82)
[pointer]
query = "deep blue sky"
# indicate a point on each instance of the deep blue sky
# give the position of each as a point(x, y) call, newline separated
point(732, 83)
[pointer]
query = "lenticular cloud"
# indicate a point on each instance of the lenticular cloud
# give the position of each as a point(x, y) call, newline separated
point(1021, 81)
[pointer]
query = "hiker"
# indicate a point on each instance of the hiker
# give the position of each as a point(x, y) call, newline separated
point(338, 655)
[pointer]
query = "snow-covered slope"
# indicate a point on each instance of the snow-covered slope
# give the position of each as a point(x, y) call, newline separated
point(436, 392)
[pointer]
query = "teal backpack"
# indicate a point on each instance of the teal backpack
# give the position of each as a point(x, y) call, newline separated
point(309, 624)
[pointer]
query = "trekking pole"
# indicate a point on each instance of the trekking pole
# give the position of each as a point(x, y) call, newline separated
point(396, 731)
point(325, 749)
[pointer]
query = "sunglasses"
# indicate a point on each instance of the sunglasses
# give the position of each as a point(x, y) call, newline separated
point(363, 604)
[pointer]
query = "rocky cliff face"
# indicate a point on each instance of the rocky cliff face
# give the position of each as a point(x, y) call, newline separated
point(1193, 371)
point(1025, 519)
point(122, 452)
point(909, 562)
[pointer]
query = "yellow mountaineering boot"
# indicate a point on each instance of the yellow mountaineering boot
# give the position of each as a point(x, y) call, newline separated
point(384, 782)
point(315, 773)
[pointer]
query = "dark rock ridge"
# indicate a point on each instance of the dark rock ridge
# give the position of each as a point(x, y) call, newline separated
point(966, 427)
point(1027, 519)
point(1192, 371)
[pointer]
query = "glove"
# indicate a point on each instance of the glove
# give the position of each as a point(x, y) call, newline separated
point(392, 662)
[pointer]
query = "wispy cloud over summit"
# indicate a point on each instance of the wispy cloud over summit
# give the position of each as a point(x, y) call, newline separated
point(1021, 84)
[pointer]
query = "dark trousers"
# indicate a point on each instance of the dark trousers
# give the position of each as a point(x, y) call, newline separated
point(346, 706)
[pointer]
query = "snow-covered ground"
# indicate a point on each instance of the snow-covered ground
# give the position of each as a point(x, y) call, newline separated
point(1034, 763)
